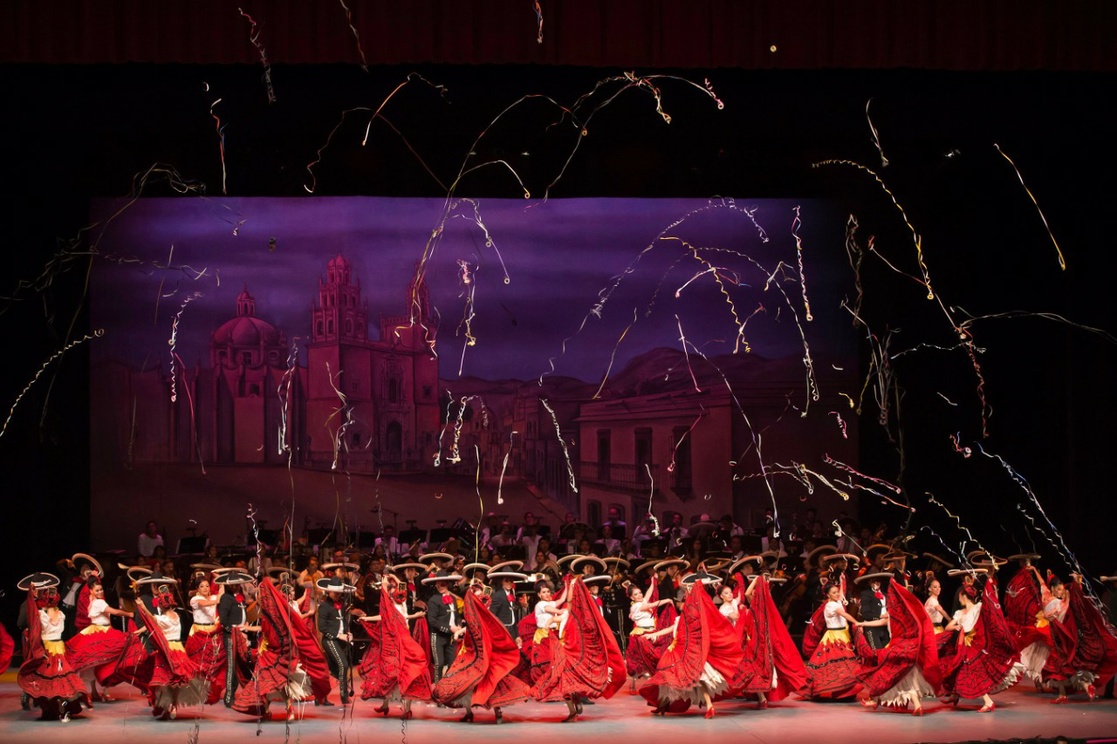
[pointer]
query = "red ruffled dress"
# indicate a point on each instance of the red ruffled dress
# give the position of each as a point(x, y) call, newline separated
point(394, 666)
point(7, 647)
point(290, 664)
point(1084, 651)
point(907, 669)
point(483, 672)
point(586, 661)
point(1031, 632)
point(771, 663)
point(703, 657)
point(46, 675)
point(98, 646)
point(642, 655)
point(982, 657)
point(832, 665)
point(170, 677)
point(206, 647)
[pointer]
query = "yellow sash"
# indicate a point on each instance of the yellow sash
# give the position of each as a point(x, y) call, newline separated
point(834, 635)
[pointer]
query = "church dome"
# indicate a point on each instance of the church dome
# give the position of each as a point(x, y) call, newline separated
point(246, 340)
point(246, 331)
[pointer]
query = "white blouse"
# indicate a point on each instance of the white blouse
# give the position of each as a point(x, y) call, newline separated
point(544, 619)
point(203, 614)
point(935, 610)
point(51, 631)
point(833, 615)
point(98, 612)
point(170, 625)
point(641, 616)
point(1056, 609)
point(727, 609)
point(967, 619)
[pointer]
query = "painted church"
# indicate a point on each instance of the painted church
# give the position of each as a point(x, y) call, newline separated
point(344, 400)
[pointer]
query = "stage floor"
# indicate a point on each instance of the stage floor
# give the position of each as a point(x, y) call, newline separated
point(1020, 713)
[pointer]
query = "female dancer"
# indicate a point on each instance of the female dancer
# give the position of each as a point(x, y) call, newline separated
point(833, 665)
point(586, 662)
point(290, 665)
point(549, 615)
point(933, 608)
point(981, 659)
point(170, 676)
point(907, 669)
point(394, 666)
point(1023, 607)
point(205, 644)
point(1083, 649)
point(703, 656)
point(46, 676)
point(483, 672)
point(774, 668)
point(98, 646)
point(643, 652)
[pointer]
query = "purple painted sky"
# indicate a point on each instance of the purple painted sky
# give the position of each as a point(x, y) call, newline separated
point(559, 255)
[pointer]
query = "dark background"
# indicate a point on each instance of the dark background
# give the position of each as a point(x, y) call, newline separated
point(86, 128)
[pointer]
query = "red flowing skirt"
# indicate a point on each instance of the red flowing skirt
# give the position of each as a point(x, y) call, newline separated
point(394, 661)
point(484, 670)
point(97, 647)
point(51, 677)
point(642, 655)
point(832, 670)
point(206, 648)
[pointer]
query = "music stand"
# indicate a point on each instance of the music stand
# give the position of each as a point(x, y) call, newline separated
point(441, 535)
point(751, 544)
point(409, 536)
point(192, 545)
point(318, 535)
point(267, 537)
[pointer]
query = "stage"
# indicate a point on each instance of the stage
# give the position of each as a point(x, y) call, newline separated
point(1021, 714)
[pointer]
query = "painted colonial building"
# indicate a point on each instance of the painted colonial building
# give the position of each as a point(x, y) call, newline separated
point(371, 402)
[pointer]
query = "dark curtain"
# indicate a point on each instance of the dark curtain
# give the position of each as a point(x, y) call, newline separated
point(749, 34)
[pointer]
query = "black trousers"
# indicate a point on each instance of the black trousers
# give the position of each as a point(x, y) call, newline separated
point(337, 659)
point(442, 653)
point(877, 638)
point(230, 669)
